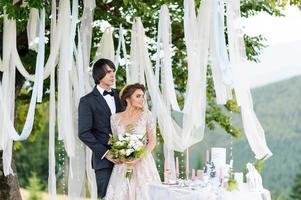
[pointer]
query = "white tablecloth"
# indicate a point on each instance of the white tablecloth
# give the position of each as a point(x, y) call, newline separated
point(164, 192)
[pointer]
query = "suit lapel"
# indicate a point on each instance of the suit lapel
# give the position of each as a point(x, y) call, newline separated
point(117, 101)
point(102, 101)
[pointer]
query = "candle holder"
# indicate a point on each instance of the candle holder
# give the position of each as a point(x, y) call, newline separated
point(209, 169)
point(167, 176)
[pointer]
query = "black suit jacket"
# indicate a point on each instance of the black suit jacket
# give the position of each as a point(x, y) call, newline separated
point(94, 125)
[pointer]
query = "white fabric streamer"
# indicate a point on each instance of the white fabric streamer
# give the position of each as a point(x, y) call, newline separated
point(54, 50)
point(51, 153)
point(168, 88)
point(194, 109)
point(52, 113)
point(32, 29)
point(8, 133)
point(237, 53)
point(73, 29)
point(137, 56)
point(65, 125)
point(41, 57)
point(76, 178)
point(220, 65)
point(105, 47)
point(1, 65)
point(84, 58)
point(91, 175)
point(121, 44)
point(86, 35)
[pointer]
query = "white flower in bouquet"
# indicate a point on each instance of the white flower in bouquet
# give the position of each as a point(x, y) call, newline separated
point(129, 151)
point(131, 144)
point(119, 143)
point(137, 146)
point(134, 138)
point(122, 152)
point(121, 138)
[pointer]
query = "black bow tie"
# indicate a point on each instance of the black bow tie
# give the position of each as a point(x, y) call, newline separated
point(107, 92)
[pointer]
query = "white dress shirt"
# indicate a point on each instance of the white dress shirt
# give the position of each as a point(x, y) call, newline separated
point(109, 99)
point(111, 103)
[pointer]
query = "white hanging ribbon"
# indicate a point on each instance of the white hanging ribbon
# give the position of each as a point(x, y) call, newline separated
point(32, 29)
point(85, 40)
point(105, 47)
point(220, 65)
point(194, 109)
point(86, 35)
point(1, 65)
point(9, 25)
point(8, 131)
point(41, 57)
point(52, 112)
point(51, 153)
point(134, 54)
point(76, 179)
point(2, 141)
point(121, 44)
point(237, 53)
point(196, 29)
point(169, 128)
point(65, 124)
point(86, 31)
point(73, 29)
point(139, 56)
point(87, 87)
point(91, 175)
point(164, 36)
point(80, 66)
point(54, 50)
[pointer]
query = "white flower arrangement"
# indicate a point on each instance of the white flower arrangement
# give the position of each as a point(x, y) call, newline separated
point(127, 147)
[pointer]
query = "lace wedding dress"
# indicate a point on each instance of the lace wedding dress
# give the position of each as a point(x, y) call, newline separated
point(144, 172)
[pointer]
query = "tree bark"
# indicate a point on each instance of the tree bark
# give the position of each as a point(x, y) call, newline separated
point(9, 185)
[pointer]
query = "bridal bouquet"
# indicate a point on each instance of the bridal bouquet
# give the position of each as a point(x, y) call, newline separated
point(127, 147)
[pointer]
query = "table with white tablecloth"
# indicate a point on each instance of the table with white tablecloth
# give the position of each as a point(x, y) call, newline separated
point(174, 192)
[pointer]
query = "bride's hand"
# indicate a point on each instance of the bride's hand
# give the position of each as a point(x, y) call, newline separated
point(115, 161)
point(132, 162)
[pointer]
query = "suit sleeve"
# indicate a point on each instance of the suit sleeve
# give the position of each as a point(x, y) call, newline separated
point(85, 126)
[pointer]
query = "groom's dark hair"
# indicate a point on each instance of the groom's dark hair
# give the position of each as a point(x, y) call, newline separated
point(99, 69)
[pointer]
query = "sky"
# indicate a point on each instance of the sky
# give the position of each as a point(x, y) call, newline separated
point(282, 58)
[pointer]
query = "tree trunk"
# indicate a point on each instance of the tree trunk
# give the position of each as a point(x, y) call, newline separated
point(9, 185)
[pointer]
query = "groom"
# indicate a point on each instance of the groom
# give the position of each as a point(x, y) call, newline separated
point(94, 127)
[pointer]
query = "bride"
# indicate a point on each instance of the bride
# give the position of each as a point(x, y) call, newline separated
point(135, 119)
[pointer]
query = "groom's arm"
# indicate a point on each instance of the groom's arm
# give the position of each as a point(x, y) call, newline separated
point(85, 126)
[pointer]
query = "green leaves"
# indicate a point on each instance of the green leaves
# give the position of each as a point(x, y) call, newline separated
point(125, 2)
point(215, 114)
point(254, 46)
point(34, 187)
point(259, 164)
point(296, 189)
point(253, 7)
